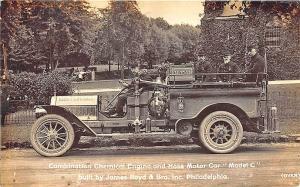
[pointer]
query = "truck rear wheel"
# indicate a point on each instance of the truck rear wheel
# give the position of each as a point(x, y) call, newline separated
point(220, 132)
point(52, 135)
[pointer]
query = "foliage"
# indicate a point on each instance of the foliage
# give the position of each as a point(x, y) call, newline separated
point(161, 23)
point(190, 37)
point(47, 31)
point(175, 48)
point(4, 92)
point(59, 26)
point(91, 27)
point(156, 46)
point(282, 67)
point(288, 11)
point(53, 33)
point(10, 15)
point(38, 88)
point(236, 35)
point(146, 41)
point(24, 53)
point(122, 31)
point(176, 44)
point(223, 37)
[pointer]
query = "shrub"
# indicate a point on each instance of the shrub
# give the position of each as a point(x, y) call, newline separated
point(38, 88)
point(282, 67)
point(115, 74)
point(4, 91)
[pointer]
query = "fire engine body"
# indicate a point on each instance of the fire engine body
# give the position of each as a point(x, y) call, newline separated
point(215, 114)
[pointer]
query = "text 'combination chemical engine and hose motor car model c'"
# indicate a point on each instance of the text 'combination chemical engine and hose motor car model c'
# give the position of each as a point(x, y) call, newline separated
point(215, 114)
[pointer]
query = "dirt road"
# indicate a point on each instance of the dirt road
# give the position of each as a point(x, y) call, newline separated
point(250, 165)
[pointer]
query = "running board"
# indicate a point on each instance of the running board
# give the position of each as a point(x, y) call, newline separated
point(135, 134)
point(270, 132)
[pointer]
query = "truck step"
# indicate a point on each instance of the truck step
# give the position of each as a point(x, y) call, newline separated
point(161, 142)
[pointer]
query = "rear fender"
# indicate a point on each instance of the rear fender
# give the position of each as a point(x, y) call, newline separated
point(247, 124)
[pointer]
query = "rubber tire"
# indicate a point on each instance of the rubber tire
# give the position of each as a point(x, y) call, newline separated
point(197, 141)
point(235, 124)
point(67, 125)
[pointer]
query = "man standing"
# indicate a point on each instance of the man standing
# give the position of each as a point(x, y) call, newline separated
point(228, 67)
point(256, 65)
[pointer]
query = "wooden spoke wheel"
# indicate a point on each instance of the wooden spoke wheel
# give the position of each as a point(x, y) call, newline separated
point(220, 132)
point(52, 135)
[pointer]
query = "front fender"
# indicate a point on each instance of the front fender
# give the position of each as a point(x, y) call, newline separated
point(51, 109)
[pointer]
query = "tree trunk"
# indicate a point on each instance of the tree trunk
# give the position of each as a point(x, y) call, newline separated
point(128, 66)
point(56, 65)
point(6, 74)
point(47, 67)
point(118, 59)
point(109, 64)
point(122, 62)
point(50, 59)
point(150, 64)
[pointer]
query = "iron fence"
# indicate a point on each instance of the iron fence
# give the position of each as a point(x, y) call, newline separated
point(287, 102)
point(21, 117)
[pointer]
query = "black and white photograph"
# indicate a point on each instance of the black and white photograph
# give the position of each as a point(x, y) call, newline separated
point(150, 93)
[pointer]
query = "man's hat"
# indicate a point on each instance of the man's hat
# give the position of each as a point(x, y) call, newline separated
point(227, 53)
point(252, 47)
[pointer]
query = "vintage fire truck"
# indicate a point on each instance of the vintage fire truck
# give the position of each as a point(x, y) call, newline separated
point(213, 113)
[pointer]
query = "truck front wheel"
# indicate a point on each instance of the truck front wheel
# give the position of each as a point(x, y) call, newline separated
point(220, 132)
point(52, 135)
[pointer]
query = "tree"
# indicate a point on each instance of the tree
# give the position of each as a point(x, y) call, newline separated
point(161, 23)
point(103, 49)
point(287, 11)
point(175, 48)
point(24, 53)
point(10, 20)
point(56, 27)
point(190, 38)
point(156, 46)
point(89, 34)
point(123, 24)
